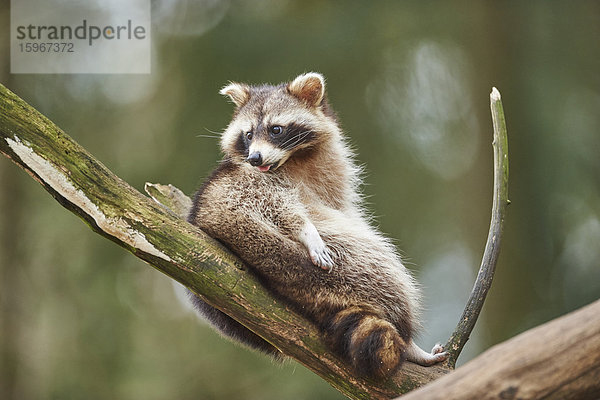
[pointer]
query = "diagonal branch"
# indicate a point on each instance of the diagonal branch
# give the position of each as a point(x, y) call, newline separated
point(492, 248)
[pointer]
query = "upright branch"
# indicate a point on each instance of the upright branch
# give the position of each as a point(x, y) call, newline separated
point(483, 282)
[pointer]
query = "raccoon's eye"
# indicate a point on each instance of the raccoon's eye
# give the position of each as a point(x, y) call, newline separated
point(249, 135)
point(276, 130)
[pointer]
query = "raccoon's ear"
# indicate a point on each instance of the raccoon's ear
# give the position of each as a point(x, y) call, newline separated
point(309, 88)
point(237, 92)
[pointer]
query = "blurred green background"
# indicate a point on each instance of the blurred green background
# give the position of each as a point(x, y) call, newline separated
point(82, 318)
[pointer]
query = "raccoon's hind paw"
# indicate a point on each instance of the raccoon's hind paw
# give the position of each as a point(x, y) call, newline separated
point(421, 357)
point(437, 349)
point(438, 354)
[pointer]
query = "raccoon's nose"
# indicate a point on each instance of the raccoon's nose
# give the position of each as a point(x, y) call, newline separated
point(255, 159)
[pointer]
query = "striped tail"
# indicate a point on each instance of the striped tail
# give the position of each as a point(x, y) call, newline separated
point(372, 345)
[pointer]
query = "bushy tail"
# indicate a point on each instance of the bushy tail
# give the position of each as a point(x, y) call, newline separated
point(368, 342)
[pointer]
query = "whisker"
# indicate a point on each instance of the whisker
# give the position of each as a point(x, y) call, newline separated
point(294, 144)
point(209, 136)
point(216, 133)
point(295, 139)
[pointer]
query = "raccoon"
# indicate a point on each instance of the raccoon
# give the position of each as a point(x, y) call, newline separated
point(285, 198)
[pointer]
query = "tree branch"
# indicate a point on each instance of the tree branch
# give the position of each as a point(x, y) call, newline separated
point(554, 361)
point(467, 321)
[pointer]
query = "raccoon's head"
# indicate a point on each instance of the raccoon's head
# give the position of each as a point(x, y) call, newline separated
point(273, 123)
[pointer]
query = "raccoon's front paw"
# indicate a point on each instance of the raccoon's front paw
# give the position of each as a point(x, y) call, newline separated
point(317, 249)
point(321, 257)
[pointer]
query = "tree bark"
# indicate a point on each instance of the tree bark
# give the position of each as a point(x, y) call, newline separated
point(557, 360)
